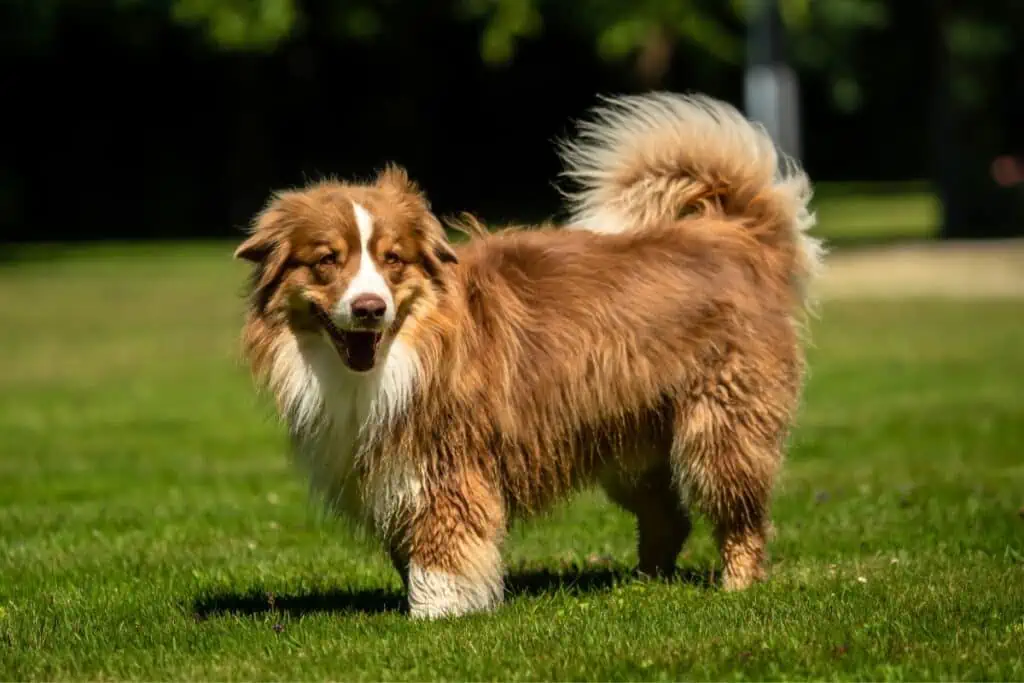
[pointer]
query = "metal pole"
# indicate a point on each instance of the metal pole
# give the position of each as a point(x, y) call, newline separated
point(771, 89)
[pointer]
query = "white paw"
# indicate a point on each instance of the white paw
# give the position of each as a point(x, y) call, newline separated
point(435, 594)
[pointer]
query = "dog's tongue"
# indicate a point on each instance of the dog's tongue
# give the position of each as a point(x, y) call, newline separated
point(361, 350)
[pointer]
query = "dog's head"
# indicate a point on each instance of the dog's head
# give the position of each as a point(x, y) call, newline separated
point(347, 263)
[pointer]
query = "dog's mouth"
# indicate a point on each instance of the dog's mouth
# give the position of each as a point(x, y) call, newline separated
point(357, 348)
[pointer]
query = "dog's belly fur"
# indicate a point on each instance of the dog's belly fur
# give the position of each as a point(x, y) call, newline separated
point(359, 474)
point(535, 479)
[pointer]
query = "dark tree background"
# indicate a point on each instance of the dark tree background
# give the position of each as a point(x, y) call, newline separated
point(172, 118)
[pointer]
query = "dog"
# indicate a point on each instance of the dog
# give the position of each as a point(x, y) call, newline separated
point(652, 345)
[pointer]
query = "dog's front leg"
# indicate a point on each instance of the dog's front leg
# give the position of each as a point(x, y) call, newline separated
point(453, 554)
point(452, 590)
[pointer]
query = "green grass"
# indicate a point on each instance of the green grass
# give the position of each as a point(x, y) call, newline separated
point(152, 528)
point(853, 212)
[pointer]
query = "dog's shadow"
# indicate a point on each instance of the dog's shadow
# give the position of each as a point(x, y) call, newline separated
point(534, 582)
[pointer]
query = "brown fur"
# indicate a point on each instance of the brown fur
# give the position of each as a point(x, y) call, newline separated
point(662, 361)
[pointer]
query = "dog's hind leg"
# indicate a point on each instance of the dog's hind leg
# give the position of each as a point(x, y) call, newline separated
point(663, 523)
point(726, 461)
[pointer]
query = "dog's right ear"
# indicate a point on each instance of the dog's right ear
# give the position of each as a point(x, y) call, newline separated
point(267, 231)
point(256, 248)
point(266, 247)
point(264, 236)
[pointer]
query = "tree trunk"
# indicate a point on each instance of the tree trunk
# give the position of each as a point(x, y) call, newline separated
point(771, 88)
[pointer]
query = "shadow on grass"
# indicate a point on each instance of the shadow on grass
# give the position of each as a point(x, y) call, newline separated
point(518, 583)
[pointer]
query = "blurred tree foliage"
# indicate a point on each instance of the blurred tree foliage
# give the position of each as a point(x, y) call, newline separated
point(821, 33)
point(239, 23)
point(865, 54)
point(823, 36)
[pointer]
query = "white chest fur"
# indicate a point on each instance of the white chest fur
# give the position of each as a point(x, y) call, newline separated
point(338, 419)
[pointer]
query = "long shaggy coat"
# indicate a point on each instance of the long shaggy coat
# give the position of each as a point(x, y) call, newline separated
point(651, 345)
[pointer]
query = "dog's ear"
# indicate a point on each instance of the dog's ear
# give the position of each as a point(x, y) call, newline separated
point(437, 250)
point(267, 248)
point(437, 240)
point(443, 249)
point(396, 178)
point(445, 253)
point(256, 248)
point(264, 234)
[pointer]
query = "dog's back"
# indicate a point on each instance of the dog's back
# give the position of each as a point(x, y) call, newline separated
point(571, 328)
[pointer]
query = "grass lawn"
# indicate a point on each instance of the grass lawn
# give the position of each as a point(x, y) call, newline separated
point(152, 528)
point(866, 212)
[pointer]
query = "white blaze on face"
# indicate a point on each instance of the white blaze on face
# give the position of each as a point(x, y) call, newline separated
point(368, 280)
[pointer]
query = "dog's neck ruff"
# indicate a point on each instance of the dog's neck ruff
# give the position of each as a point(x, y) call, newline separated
point(337, 419)
point(319, 396)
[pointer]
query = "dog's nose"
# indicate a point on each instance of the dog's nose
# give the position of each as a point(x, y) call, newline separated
point(368, 308)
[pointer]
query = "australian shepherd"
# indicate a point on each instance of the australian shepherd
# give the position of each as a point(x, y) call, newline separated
point(652, 345)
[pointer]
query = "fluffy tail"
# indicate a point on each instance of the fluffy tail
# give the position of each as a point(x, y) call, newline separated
point(642, 160)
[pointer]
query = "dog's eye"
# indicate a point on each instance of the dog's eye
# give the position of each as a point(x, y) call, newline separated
point(391, 258)
point(328, 259)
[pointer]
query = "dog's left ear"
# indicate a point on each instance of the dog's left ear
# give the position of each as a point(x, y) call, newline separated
point(444, 252)
point(438, 251)
point(437, 240)
point(395, 178)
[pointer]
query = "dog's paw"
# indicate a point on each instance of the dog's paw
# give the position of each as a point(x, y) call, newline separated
point(436, 594)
